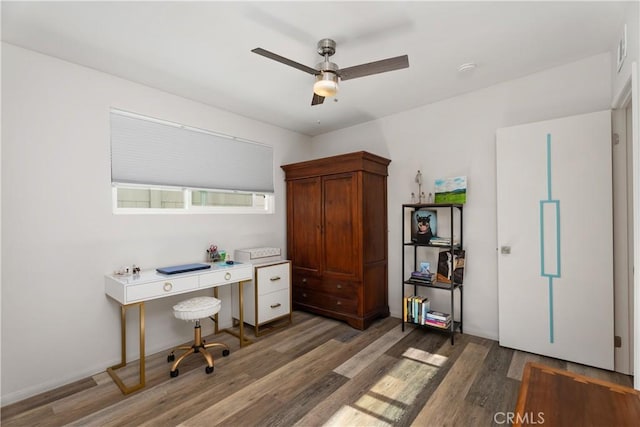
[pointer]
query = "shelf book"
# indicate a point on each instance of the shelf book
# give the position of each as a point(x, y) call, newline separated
point(416, 309)
point(438, 319)
point(426, 278)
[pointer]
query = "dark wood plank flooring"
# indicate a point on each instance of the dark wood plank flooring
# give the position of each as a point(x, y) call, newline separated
point(315, 372)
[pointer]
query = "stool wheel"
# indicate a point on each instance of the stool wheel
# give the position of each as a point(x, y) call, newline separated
point(171, 358)
point(225, 352)
point(174, 373)
point(208, 369)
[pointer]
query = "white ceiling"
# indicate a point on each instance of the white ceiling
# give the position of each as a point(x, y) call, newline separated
point(202, 50)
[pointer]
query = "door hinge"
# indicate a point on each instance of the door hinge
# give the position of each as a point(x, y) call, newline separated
point(615, 139)
point(617, 341)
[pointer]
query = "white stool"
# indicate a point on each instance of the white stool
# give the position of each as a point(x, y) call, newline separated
point(193, 310)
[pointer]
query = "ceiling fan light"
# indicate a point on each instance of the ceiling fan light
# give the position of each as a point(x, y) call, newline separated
point(326, 84)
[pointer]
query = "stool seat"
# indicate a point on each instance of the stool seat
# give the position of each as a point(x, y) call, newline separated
point(197, 308)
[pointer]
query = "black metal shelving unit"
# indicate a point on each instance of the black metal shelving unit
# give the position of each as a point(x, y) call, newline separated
point(450, 208)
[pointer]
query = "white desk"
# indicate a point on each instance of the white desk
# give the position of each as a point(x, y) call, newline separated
point(135, 290)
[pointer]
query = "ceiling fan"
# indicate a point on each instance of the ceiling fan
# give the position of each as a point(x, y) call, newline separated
point(328, 74)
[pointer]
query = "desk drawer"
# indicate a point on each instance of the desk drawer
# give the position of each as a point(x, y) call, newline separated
point(273, 305)
point(223, 277)
point(161, 288)
point(272, 278)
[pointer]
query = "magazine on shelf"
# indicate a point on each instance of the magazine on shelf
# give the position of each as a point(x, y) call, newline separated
point(437, 324)
point(438, 316)
point(449, 269)
point(440, 241)
point(422, 279)
point(421, 275)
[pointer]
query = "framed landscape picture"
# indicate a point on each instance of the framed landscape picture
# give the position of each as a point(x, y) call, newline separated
point(451, 190)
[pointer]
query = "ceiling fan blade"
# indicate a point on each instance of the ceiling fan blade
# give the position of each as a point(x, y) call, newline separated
point(376, 67)
point(284, 60)
point(317, 99)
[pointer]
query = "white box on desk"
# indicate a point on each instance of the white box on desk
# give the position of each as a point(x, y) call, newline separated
point(258, 255)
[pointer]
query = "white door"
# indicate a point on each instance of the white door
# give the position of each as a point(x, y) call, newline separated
point(555, 241)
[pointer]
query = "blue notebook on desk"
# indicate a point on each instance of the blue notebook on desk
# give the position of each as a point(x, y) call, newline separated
point(182, 268)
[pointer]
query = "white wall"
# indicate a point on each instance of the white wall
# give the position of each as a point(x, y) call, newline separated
point(59, 236)
point(457, 137)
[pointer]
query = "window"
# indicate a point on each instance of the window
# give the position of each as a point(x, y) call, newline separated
point(149, 198)
point(141, 199)
point(163, 167)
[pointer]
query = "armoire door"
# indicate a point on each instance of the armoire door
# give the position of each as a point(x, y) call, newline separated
point(342, 251)
point(304, 214)
point(555, 241)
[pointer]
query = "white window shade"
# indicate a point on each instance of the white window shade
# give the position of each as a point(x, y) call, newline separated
point(145, 151)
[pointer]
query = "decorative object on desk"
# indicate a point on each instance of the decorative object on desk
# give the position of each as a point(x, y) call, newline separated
point(127, 271)
point(423, 197)
point(413, 197)
point(423, 225)
point(430, 198)
point(448, 269)
point(213, 254)
point(451, 190)
point(419, 182)
point(122, 271)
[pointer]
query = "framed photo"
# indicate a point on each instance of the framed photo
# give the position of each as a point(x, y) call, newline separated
point(423, 225)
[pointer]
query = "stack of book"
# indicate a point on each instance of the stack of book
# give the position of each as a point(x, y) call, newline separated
point(416, 309)
point(440, 241)
point(422, 277)
point(438, 319)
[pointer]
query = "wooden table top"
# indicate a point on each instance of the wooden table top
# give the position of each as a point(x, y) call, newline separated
point(554, 397)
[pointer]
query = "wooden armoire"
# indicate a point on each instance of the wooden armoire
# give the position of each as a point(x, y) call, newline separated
point(337, 236)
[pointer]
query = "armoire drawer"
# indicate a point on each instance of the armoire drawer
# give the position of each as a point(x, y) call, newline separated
point(339, 288)
point(325, 301)
point(306, 281)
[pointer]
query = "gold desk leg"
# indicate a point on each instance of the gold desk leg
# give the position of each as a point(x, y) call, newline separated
point(123, 346)
point(215, 316)
point(243, 341)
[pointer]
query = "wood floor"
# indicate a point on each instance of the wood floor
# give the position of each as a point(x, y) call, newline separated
point(315, 372)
